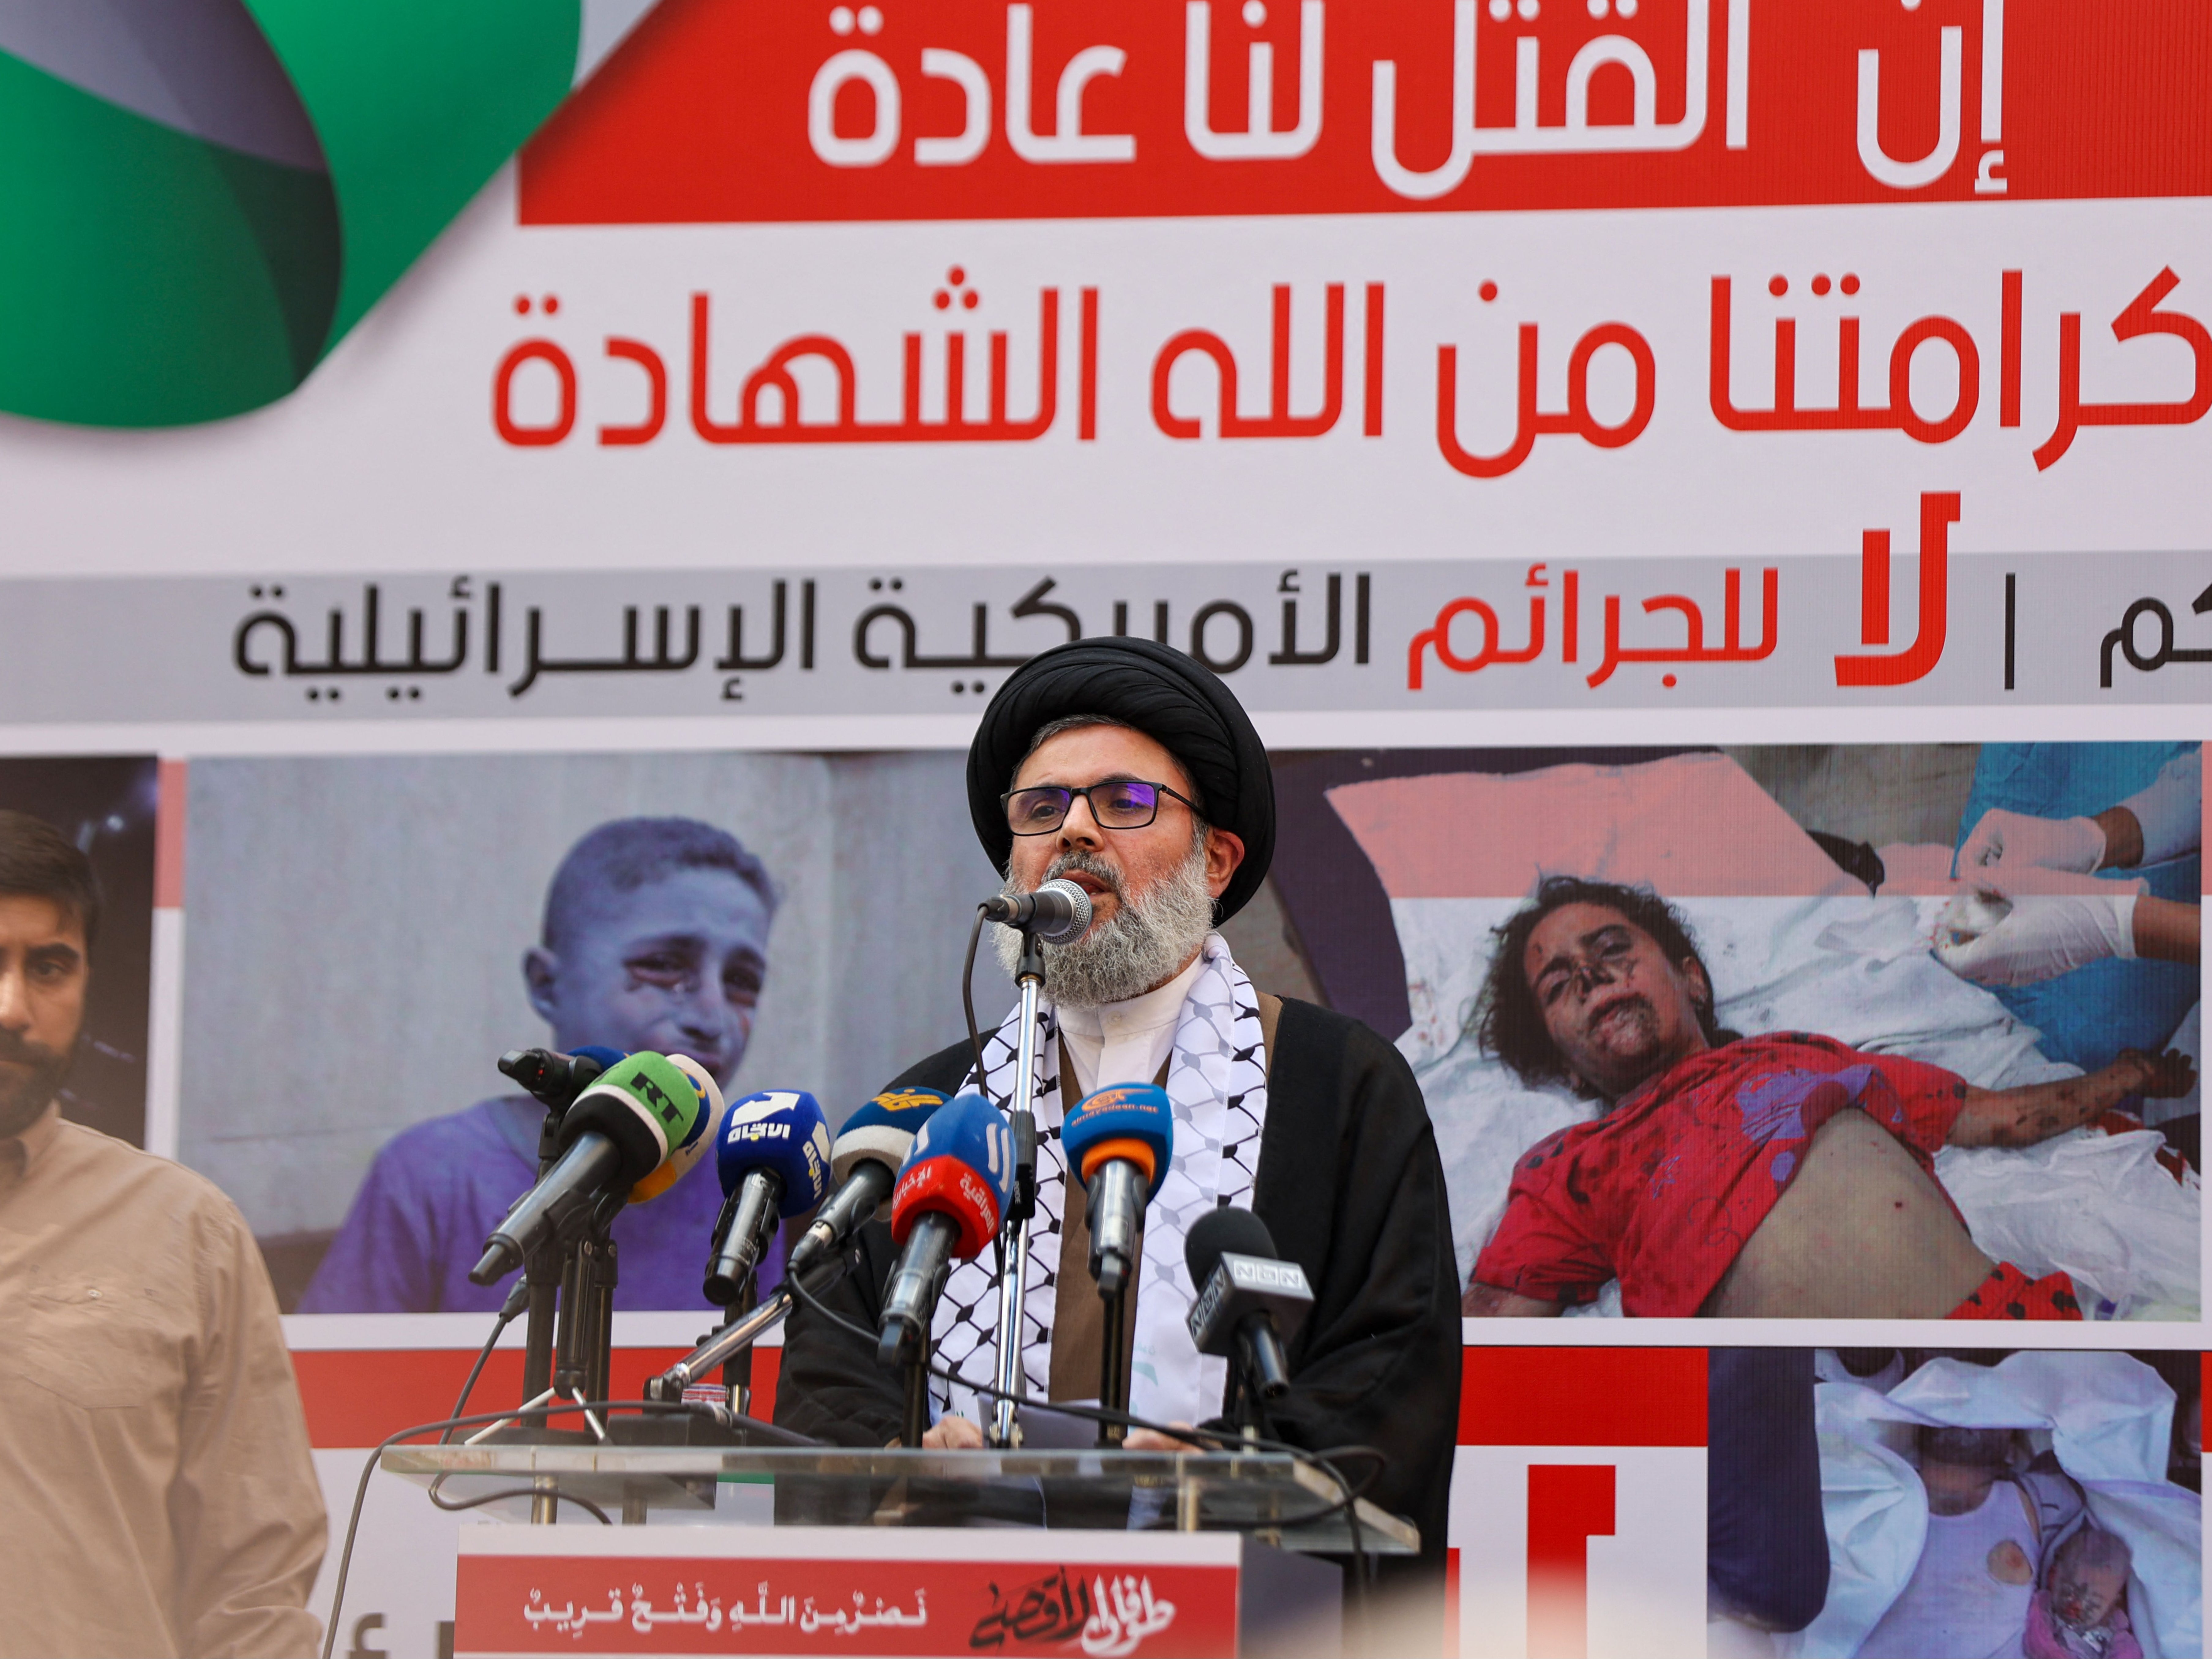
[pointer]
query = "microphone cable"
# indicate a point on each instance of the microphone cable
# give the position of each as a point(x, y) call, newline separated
point(510, 1310)
point(1228, 1440)
point(517, 1300)
point(968, 1004)
point(665, 1407)
point(454, 1505)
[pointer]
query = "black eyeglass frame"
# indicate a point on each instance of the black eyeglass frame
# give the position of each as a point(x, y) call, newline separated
point(1159, 789)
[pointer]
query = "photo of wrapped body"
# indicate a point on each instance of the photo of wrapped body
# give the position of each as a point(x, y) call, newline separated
point(1917, 1504)
point(1679, 1037)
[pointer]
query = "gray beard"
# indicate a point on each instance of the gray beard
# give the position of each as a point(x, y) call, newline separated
point(1151, 935)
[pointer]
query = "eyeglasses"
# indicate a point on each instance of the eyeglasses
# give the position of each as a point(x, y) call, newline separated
point(1116, 803)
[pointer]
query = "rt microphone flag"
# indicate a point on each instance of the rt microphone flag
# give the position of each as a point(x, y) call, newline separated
point(633, 1118)
point(950, 1198)
point(557, 1079)
point(687, 1151)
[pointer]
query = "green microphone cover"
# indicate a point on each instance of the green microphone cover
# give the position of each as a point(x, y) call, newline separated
point(689, 1148)
point(647, 1105)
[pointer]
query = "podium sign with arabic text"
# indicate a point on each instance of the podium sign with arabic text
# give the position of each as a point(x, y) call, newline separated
point(858, 1591)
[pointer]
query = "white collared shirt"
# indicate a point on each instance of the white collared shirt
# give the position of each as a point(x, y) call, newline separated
point(1124, 1042)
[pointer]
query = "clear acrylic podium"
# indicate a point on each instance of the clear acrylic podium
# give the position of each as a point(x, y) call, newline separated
point(897, 1552)
point(1208, 1491)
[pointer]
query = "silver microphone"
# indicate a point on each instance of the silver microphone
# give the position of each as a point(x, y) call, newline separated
point(1058, 913)
point(747, 1222)
point(1115, 1201)
point(917, 1280)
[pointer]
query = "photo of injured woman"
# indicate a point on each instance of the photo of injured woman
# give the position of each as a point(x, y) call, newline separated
point(1897, 1032)
point(1915, 1504)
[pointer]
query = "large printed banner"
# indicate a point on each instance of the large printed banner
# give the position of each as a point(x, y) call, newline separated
point(740, 307)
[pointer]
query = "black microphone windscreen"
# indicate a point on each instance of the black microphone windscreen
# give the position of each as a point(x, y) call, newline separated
point(1224, 1232)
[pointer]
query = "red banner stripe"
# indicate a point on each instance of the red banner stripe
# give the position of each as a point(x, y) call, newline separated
point(355, 1397)
point(736, 110)
point(1582, 1397)
point(169, 836)
point(1509, 1396)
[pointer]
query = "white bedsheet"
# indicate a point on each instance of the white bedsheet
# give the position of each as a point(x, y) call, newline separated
point(2106, 1416)
point(1857, 969)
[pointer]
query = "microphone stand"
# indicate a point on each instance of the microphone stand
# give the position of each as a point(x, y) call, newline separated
point(737, 1369)
point(1247, 1409)
point(568, 1341)
point(1114, 1363)
point(741, 1332)
point(544, 1271)
point(600, 1273)
point(916, 1422)
point(541, 1271)
point(583, 1358)
point(1013, 1281)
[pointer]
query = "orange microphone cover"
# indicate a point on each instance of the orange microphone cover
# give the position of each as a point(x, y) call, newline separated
point(1139, 1152)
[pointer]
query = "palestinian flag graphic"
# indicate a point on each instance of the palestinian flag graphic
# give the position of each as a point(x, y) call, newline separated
point(201, 197)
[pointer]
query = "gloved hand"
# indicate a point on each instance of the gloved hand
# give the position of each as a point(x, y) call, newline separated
point(1993, 939)
point(2003, 839)
point(2016, 839)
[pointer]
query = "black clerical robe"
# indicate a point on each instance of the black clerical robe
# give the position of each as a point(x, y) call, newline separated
point(1351, 1188)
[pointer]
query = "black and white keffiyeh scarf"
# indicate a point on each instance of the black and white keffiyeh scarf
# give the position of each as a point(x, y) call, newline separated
point(1217, 1084)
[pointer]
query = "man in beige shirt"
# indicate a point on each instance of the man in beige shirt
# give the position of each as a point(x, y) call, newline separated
point(156, 1493)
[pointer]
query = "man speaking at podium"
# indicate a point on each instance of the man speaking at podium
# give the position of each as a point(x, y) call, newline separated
point(1131, 770)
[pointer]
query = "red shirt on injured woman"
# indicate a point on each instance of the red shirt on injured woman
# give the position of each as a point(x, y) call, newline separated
point(1781, 1175)
point(1662, 1192)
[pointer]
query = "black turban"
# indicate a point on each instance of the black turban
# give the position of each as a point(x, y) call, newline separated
point(1172, 699)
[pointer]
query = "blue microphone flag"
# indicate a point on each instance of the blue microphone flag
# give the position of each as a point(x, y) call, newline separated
point(782, 1130)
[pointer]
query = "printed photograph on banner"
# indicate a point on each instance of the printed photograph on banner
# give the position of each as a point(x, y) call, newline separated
point(1939, 1000)
point(1689, 1022)
point(368, 935)
point(1900, 1503)
point(75, 989)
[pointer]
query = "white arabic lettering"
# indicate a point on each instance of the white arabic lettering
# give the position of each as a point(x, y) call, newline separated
point(1072, 143)
point(1643, 133)
point(1260, 141)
